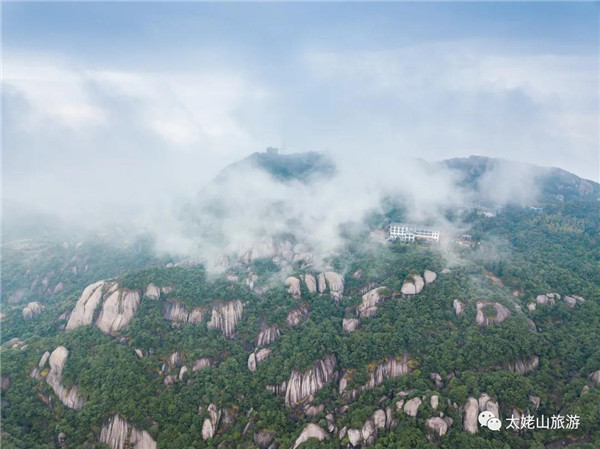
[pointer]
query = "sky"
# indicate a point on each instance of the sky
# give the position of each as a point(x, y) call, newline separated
point(111, 105)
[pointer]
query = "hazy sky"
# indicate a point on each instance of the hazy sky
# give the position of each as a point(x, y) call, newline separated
point(110, 103)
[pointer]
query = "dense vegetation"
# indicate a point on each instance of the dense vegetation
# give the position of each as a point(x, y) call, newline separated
point(518, 255)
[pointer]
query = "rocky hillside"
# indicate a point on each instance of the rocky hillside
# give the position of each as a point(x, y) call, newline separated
point(382, 344)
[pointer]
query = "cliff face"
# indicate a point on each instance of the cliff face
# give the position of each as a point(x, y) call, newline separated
point(176, 311)
point(118, 310)
point(69, 397)
point(388, 370)
point(225, 316)
point(117, 433)
point(267, 336)
point(301, 386)
point(118, 307)
point(210, 424)
point(472, 409)
point(83, 313)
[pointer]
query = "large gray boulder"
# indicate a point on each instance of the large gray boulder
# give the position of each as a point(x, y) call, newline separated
point(310, 431)
point(68, 396)
point(31, 310)
point(225, 317)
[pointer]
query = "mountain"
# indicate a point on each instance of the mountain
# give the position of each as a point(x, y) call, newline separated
point(554, 184)
point(294, 343)
point(304, 167)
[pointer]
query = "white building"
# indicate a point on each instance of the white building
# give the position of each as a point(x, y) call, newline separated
point(409, 233)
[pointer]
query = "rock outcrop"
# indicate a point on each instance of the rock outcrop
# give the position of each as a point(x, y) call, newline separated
point(412, 285)
point(311, 283)
point(547, 299)
point(201, 364)
point(293, 287)
point(118, 308)
point(350, 324)
point(388, 370)
point(595, 377)
point(411, 407)
point(176, 311)
point(264, 439)
point(370, 300)
point(335, 282)
point(278, 390)
point(225, 317)
point(439, 425)
point(472, 409)
point(459, 307)
point(31, 310)
point(152, 292)
point(310, 431)
point(68, 396)
point(429, 276)
point(117, 433)
point(484, 319)
point(524, 366)
point(257, 357)
point(267, 336)
point(471, 414)
point(83, 313)
point(302, 386)
point(297, 316)
point(210, 424)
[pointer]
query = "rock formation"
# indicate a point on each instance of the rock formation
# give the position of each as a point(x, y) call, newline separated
point(176, 311)
point(472, 409)
point(471, 414)
point(388, 370)
point(264, 439)
point(152, 292)
point(459, 307)
point(335, 282)
point(117, 433)
point(210, 424)
point(257, 357)
point(439, 425)
point(368, 433)
point(118, 308)
point(267, 336)
point(301, 386)
point(413, 285)
point(411, 407)
point(278, 390)
point(69, 397)
point(595, 377)
point(368, 306)
point(225, 317)
point(429, 276)
point(202, 363)
point(524, 366)
point(355, 437)
point(297, 316)
point(310, 431)
point(83, 313)
point(547, 299)
point(311, 283)
point(293, 287)
point(350, 324)
point(501, 313)
point(31, 310)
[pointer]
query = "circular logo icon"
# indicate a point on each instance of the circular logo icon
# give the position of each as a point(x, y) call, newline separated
point(494, 424)
point(484, 417)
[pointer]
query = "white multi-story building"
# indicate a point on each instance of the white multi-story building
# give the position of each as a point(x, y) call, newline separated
point(409, 233)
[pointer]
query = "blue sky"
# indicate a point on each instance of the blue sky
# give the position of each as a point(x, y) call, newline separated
point(178, 90)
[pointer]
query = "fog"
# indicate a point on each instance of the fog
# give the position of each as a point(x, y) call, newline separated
point(129, 133)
